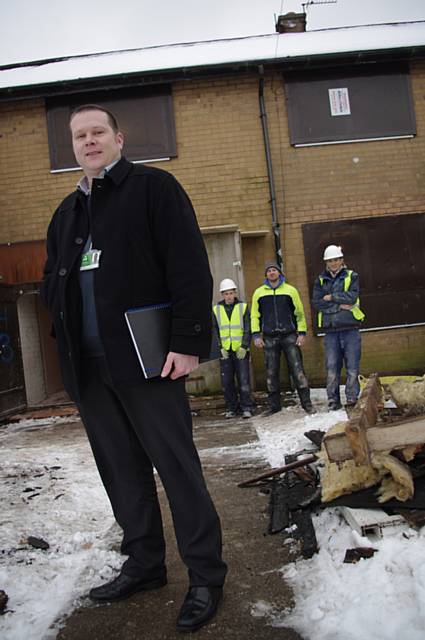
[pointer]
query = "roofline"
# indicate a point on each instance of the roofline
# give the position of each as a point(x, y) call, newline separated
point(164, 76)
point(44, 61)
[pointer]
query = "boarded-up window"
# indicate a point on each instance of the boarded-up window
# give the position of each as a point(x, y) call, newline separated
point(388, 253)
point(145, 116)
point(342, 106)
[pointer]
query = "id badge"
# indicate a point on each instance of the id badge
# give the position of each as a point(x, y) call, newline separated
point(90, 259)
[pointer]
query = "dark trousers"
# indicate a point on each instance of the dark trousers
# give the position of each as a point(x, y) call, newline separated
point(230, 369)
point(274, 346)
point(343, 347)
point(131, 430)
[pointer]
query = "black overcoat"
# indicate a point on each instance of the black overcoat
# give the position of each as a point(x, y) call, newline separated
point(152, 251)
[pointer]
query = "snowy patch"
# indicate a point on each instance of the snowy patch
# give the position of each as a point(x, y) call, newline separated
point(41, 498)
point(283, 432)
point(248, 451)
point(376, 599)
point(381, 598)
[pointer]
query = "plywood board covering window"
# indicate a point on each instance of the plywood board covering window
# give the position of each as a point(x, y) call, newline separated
point(363, 103)
point(388, 253)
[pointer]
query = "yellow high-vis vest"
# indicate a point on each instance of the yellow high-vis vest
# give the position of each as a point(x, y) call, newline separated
point(230, 329)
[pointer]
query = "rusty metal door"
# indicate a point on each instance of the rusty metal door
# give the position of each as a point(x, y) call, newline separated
point(12, 383)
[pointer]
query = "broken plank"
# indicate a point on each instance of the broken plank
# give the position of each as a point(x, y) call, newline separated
point(385, 437)
point(362, 417)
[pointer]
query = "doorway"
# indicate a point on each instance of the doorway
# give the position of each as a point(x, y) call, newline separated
point(224, 250)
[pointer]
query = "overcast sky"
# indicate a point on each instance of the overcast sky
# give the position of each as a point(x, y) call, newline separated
point(39, 29)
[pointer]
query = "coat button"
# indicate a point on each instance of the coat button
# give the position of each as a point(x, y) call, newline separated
point(62, 271)
point(197, 328)
point(78, 241)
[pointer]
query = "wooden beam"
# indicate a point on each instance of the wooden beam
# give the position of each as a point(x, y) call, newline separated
point(363, 417)
point(385, 437)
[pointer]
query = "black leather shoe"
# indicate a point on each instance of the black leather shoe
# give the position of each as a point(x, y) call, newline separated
point(124, 586)
point(199, 606)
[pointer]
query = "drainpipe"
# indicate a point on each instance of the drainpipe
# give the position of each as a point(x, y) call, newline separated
point(275, 218)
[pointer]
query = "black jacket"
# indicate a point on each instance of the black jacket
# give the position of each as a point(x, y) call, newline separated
point(334, 318)
point(152, 251)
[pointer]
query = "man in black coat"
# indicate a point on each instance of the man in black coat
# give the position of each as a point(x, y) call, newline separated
point(128, 237)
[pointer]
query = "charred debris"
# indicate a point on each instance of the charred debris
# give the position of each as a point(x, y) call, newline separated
point(372, 466)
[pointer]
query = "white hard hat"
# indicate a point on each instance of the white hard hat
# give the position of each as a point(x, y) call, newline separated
point(332, 251)
point(227, 284)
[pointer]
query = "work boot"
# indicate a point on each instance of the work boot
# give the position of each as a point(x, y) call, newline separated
point(334, 406)
point(305, 400)
point(270, 411)
point(308, 408)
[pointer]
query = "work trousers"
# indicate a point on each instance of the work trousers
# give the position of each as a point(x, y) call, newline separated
point(343, 347)
point(131, 430)
point(274, 346)
point(231, 368)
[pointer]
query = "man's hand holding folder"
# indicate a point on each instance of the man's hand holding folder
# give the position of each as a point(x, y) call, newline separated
point(178, 365)
point(150, 328)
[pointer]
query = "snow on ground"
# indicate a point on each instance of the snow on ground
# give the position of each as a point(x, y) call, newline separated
point(382, 598)
point(50, 489)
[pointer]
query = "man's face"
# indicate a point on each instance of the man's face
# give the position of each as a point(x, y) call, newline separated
point(94, 142)
point(335, 264)
point(272, 274)
point(229, 296)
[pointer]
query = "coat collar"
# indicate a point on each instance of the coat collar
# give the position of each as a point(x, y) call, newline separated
point(117, 174)
point(119, 171)
point(341, 274)
point(281, 281)
point(223, 304)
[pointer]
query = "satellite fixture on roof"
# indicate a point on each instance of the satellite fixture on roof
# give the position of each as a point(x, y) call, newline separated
point(309, 3)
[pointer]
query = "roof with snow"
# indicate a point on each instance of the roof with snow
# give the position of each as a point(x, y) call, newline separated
point(233, 53)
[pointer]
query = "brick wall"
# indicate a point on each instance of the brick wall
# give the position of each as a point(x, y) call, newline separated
point(356, 180)
point(221, 163)
point(29, 193)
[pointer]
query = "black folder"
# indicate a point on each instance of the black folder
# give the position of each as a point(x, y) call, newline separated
point(150, 329)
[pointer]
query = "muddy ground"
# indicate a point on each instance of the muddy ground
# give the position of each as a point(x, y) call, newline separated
point(253, 557)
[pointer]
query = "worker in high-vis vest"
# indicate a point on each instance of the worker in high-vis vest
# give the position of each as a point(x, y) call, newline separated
point(232, 323)
point(336, 298)
point(278, 326)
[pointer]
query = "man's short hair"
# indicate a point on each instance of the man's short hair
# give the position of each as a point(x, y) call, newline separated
point(95, 107)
